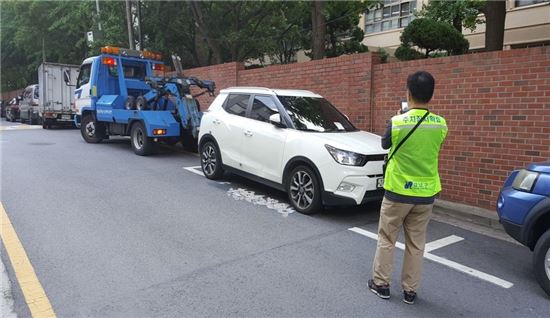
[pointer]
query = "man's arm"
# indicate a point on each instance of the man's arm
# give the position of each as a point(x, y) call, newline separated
point(386, 139)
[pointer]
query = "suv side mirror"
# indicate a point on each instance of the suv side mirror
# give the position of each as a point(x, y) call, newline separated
point(275, 119)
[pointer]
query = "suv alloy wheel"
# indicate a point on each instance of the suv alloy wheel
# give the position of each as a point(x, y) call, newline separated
point(304, 191)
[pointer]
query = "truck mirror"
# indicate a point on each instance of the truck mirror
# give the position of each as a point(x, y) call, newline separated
point(67, 77)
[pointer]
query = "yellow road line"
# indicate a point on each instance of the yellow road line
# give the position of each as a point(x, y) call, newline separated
point(38, 302)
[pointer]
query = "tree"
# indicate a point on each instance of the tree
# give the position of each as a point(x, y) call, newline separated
point(495, 14)
point(465, 13)
point(430, 36)
point(458, 13)
point(318, 30)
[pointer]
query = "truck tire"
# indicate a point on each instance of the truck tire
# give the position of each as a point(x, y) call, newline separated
point(141, 103)
point(304, 190)
point(541, 261)
point(211, 161)
point(141, 144)
point(92, 131)
point(130, 103)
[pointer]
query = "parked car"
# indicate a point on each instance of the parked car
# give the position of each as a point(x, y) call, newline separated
point(28, 108)
point(12, 110)
point(295, 141)
point(524, 210)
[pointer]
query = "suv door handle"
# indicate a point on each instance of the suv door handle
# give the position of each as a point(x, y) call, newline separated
point(248, 133)
point(216, 121)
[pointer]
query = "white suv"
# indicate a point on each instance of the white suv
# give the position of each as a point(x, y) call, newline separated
point(295, 141)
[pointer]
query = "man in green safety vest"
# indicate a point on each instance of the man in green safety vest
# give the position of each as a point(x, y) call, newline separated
point(414, 138)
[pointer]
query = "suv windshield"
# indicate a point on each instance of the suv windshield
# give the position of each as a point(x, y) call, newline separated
point(315, 114)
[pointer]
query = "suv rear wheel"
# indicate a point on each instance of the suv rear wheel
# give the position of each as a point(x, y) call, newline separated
point(304, 191)
point(542, 261)
point(211, 162)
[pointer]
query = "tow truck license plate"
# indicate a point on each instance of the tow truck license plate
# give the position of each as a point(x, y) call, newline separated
point(379, 183)
point(66, 116)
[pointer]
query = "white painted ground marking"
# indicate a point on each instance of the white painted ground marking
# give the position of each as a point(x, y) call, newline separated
point(259, 199)
point(250, 196)
point(442, 243)
point(441, 260)
point(194, 170)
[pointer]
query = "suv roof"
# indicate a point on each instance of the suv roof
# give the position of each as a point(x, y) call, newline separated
point(269, 91)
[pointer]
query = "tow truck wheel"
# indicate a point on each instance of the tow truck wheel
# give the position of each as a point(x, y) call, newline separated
point(92, 131)
point(141, 103)
point(141, 144)
point(542, 261)
point(211, 161)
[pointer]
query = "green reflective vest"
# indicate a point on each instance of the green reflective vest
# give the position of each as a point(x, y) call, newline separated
point(413, 170)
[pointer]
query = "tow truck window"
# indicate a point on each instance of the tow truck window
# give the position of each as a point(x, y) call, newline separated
point(84, 75)
point(135, 71)
point(36, 93)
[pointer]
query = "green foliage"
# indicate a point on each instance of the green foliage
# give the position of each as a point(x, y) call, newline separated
point(430, 36)
point(237, 30)
point(383, 55)
point(459, 13)
point(406, 53)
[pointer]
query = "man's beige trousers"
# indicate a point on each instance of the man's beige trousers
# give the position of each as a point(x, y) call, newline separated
point(414, 219)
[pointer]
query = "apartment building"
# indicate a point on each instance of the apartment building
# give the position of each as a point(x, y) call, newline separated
point(527, 24)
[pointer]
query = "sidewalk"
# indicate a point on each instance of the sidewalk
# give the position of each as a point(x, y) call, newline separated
point(6, 299)
point(471, 218)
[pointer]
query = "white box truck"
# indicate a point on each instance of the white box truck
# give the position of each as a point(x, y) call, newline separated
point(56, 84)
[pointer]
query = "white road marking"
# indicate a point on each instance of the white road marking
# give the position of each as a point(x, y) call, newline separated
point(442, 243)
point(250, 196)
point(259, 199)
point(195, 170)
point(441, 260)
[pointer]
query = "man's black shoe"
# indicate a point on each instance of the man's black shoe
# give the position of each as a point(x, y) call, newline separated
point(409, 297)
point(382, 291)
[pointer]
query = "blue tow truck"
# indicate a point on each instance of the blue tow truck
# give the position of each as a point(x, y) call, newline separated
point(124, 92)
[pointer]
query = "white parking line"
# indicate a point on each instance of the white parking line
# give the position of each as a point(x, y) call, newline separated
point(441, 260)
point(442, 242)
point(194, 170)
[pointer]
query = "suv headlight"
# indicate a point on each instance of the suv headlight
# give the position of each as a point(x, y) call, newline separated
point(345, 157)
point(525, 180)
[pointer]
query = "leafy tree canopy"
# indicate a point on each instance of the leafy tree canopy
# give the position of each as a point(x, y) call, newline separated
point(458, 13)
point(432, 36)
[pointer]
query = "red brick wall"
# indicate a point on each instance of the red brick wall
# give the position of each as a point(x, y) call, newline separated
point(497, 106)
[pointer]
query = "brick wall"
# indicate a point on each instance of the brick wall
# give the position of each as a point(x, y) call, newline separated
point(497, 106)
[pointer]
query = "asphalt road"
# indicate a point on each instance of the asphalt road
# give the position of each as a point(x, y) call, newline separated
point(112, 234)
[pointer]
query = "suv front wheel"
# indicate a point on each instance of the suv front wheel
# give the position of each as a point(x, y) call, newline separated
point(304, 191)
point(542, 261)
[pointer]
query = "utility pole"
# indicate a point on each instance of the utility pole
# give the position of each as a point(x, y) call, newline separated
point(130, 25)
point(98, 20)
point(140, 34)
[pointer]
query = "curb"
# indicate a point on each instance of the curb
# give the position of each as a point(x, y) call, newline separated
point(467, 213)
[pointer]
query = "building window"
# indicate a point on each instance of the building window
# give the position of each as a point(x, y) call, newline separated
point(392, 14)
point(521, 3)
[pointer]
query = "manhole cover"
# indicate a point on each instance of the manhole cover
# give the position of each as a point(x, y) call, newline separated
point(42, 143)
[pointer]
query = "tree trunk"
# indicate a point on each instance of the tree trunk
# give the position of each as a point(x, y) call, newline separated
point(457, 23)
point(196, 8)
point(318, 25)
point(495, 16)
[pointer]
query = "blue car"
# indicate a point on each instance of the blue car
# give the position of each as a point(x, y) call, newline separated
point(524, 210)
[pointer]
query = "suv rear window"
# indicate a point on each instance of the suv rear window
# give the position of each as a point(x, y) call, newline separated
point(236, 104)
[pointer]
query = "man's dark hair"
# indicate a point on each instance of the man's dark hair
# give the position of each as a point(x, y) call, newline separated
point(421, 86)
